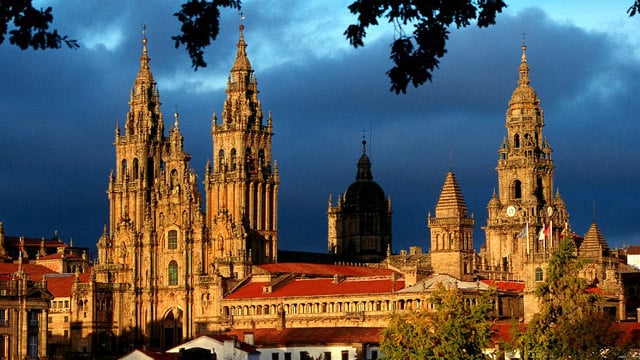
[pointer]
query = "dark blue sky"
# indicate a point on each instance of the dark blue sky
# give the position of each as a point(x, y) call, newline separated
point(60, 109)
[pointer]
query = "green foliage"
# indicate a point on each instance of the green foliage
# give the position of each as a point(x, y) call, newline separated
point(417, 55)
point(200, 25)
point(451, 330)
point(569, 324)
point(30, 26)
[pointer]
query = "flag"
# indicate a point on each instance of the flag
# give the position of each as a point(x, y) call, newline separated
point(524, 232)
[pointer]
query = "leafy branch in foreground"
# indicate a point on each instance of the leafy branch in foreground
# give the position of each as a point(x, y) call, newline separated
point(28, 27)
point(452, 329)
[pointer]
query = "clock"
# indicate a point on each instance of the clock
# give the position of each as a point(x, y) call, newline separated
point(511, 211)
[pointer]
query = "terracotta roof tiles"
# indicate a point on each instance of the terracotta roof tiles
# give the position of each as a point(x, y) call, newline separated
point(318, 287)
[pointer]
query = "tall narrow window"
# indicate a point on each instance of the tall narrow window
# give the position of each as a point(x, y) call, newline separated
point(221, 160)
point(539, 274)
point(123, 169)
point(232, 159)
point(516, 190)
point(172, 239)
point(173, 273)
point(135, 168)
point(516, 141)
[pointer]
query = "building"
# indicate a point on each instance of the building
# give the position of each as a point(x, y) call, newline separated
point(173, 266)
point(359, 225)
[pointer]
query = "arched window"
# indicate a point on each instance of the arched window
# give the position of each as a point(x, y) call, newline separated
point(135, 168)
point(232, 159)
point(539, 274)
point(173, 273)
point(261, 157)
point(174, 178)
point(516, 192)
point(221, 160)
point(123, 169)
point(172, 239)
point(516, 141)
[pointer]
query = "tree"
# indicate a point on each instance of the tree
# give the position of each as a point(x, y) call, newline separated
point(415, 56)
point(569, 325)
point(452, 329)
point(30, 26)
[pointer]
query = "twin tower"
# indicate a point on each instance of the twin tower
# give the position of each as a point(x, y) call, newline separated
point(161, 253)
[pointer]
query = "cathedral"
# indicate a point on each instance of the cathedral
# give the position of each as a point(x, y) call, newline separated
point(179, 266)
point(173, 265)
point(161, 252)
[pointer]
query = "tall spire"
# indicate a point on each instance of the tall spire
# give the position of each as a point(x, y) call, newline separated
point(144, 74)
point(242, 61)
point(524, 68)
point(524, 93)
point(144, 104)
point(242, 106)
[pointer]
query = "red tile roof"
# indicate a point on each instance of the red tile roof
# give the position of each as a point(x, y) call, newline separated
point(35, 272)
point(633, 250)
point(505, 285)
point(309, 336)
point(323, 269)
point(318, 287)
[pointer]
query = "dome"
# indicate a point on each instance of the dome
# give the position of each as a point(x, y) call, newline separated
point(364, 193)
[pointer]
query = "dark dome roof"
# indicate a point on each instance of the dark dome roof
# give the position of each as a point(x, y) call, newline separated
point(364, 193)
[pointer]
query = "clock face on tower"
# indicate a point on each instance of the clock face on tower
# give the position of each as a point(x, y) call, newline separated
point(511, 211)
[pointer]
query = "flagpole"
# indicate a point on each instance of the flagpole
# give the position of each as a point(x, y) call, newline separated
point(526, 231)
point(551, 232)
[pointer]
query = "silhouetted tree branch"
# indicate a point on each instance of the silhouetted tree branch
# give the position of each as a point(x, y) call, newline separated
point(28, 27)
point(200, 25)
point(416, 55)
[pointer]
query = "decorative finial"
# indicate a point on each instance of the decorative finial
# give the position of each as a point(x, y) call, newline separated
point(364, 140)
point(241, 21)
point(524, 47)
point(144, 35)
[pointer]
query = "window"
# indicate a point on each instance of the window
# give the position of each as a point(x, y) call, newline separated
point(3, 318)
point(135, 168)
point(327, 355)
point(374, 354)
point(32, 346)
point(173, 273)
point(66, 319)
point(287, 356)
point(172, 239)
point(66, 333)
point(539, 274)
point(275, 356)
point(345, 355)
point(33, 318)
point(517, 190)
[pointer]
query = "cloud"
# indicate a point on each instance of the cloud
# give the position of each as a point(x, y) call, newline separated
point(60, 109)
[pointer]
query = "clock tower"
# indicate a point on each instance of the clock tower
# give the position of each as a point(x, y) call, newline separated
point(525, 216)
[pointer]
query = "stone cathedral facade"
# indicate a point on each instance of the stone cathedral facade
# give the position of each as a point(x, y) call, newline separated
point(173, 265)
point(168, 261)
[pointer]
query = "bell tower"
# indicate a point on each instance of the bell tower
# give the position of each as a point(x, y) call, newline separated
point(242, 182)
point(147, 254)
point(452, 233)
point(525, 217)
